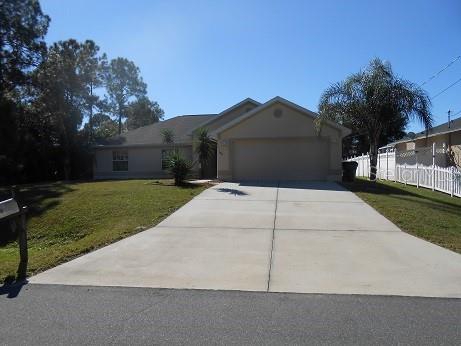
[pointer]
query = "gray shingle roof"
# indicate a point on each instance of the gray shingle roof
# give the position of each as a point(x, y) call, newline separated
point(455, 125)
point(151, 134)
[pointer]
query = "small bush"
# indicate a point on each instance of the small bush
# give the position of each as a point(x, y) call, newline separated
point(179, 167)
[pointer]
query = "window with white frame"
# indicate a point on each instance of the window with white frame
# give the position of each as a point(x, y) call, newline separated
point(165, 154)
point(120, 161)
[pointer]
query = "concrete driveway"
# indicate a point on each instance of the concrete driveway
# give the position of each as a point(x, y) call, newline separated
point(312, 237)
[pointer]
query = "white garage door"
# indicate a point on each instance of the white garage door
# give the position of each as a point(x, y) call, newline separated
point(280, 159)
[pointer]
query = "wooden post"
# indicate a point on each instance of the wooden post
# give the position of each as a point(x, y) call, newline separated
point(22, 241)
point(21, 225)
point(14, 192)
point(433, 166)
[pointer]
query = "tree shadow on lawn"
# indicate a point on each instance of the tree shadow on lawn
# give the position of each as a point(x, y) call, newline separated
point(34, 195)
point(38, 198)
point(168, 183)
point(377, 188)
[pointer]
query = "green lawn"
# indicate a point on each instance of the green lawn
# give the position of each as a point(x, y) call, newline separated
point(67, 220)
point(430, 215)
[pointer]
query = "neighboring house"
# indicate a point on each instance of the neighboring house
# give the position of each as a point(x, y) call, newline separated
point(447, 139)
point(276, 140)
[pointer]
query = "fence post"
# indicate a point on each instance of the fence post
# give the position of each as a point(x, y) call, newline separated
point(387, 163)
point(405, 173)
point(395, 165)
point(417, 172)
point(452, 169)
point(433, 166)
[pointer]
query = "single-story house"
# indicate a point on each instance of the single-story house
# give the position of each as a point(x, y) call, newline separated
point(447, 139)
point(276, 140)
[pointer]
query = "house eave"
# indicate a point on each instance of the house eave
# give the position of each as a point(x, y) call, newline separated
point(421, 137)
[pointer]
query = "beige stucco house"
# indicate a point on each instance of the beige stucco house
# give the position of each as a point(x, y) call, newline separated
point(276, 140)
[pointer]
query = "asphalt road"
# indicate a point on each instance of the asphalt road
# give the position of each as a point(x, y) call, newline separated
point(79, 315)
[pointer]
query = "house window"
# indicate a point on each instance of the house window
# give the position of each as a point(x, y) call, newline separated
point(165, 154)
point(120, 161)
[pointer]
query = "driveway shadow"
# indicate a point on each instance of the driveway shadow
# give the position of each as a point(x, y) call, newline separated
point(299, 185)
point(233, 192)
point(312, 185)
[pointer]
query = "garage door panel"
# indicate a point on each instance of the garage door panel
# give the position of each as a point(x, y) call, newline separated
point(280, 159)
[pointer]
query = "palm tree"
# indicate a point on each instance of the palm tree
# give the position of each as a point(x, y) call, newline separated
point(371, 100)
point(205, 147)
point(167, 136)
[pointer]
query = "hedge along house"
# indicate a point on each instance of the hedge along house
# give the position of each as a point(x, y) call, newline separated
point(277, 140)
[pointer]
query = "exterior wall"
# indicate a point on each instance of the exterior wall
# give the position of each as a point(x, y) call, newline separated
point(451, 141)
point(235, 113)
point(455, 141)
point(266, 125)
point(143, 162)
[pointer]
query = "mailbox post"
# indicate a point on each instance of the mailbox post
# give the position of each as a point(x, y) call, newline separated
point(15, 215)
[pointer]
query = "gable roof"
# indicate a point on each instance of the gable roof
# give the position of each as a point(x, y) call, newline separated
point(152, 134)
point(455, 125)
point(344, 130)
point(228, 110)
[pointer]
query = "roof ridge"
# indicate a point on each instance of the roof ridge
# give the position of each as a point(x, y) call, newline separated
point(192, 115)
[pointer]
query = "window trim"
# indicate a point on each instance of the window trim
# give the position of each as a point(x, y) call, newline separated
point(119, 156)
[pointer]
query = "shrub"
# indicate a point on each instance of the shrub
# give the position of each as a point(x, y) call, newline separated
point(179, 167)
point(205, 147)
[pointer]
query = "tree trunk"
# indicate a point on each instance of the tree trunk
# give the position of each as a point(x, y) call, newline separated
point(202, 169)
point(67, 168)
point(373, 159)
point(90, 122)
point(120, 107)
point(66, 144)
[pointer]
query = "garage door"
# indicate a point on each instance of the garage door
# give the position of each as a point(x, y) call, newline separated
point(280, 159)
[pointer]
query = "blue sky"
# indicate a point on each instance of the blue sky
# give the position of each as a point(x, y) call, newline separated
point(204, 56)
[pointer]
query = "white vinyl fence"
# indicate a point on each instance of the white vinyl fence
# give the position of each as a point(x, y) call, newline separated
point(435, 177)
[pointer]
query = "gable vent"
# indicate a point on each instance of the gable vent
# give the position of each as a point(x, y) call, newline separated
point(278, 113)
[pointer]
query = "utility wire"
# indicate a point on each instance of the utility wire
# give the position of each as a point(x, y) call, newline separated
point(448, 87)
point(456, 113)
point(436, 74)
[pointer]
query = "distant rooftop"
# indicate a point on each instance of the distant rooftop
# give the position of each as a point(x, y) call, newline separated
point(455, 125)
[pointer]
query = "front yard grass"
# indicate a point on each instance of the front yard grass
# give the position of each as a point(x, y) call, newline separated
point(430, 215)
point(66, 220)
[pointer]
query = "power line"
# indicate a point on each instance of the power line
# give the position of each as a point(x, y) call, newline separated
point(448, 87)
point(436, 74)
point(456, 113)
